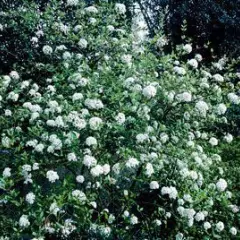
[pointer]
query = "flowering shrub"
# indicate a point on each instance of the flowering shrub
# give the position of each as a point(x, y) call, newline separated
point(100, 139)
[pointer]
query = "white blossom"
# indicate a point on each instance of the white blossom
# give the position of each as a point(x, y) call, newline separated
point(24, 222)
point(207, 225)
point(184, 97)
point(66, 55)
point(221, 109)
point(233, 98)
point(132, 163)
point(187, 48)
point(35, 166)
point(154, 185)
point(170, 191)
point(91, 141)
point(93, 103)
point(30, 198)
point(193, 63)
point(149, 91)
point(179, 70)
point(52, 176)
point(198, 57)
point(161, 42)
point(91, 9)
point(133, 220)
point(149, 169)
point(233, 231)
point(106, 169)
point(95, 123)
point(218, 78)
point(13, 96)
point(127, 58)
point(228, 138)
point(89, 161)
point(120, 118)
point(83, 43)
point(202, 107)
point(142, 137)
point(7, 172)
point(220, 226)
point(47, 50)
point(71, 157)
point(54, 209)
point(213, 141)
point(120, 8)
point(39, 148)
point(72, 3)
point(14, 75)
point(77, 96)
point(199, 216)
point(221, 185)
point(80, 179)
point(96, 171)
point(79, 195)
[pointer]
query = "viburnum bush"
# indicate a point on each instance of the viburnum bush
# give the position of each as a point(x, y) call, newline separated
point(102, 139)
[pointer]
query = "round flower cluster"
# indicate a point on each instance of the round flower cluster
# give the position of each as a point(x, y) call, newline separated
point(120, 8)
point(47, 50)
point(72, 2)
point(52, 176)
point(149, 91)
point(187, 48)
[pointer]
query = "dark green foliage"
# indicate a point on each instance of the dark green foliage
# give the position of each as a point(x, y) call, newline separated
point(16, 47)
point(234, 119)
point(231, 159)
point(208, 21)
point(213, 21)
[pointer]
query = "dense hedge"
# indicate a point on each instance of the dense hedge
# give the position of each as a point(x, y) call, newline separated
point(102, 138)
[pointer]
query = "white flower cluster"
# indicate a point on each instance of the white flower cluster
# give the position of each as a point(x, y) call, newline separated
point(79, 195)
point(187, 48)
point(193, 63)
point(72, 2)
point(83, 43)
point(52, 176)
point(202, 108)
point(120, 118)
point(93, 103)
point(184, 97)
point(91, 9)
point(30, 198)
point(120, 8)
point(24, 222)
point(221, 185)
point(179, 70)
point(154, 185)
point(149, 91)
point(47, 50)
point(99, 170)
point(132, 163)
point(170, 191)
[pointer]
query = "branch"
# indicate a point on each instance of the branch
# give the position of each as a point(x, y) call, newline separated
point(146, 17)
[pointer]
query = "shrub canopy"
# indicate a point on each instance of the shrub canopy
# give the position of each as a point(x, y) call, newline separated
point(102, 139)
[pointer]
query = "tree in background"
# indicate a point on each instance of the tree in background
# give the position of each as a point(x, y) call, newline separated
point(216, 22)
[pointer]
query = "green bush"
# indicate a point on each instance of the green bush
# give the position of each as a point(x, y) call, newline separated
point(101, 139)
